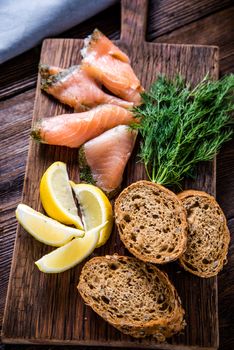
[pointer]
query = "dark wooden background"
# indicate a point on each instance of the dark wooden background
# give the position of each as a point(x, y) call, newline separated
point(209, 22)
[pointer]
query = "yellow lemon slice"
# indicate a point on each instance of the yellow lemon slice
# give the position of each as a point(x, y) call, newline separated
point(66, 257)
point(95, 209)
point(44, 229)
point(56, 195)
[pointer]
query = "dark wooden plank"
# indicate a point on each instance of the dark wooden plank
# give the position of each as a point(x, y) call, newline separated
point(166, 16)
point(226, 290)
point(225, 183)
point(208, 30)
point(225, 197)
point(16, 117)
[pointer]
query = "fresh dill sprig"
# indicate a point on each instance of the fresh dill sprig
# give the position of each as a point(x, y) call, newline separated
point(181, 126)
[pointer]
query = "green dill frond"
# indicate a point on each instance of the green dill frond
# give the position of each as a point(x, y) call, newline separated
point(181, 126)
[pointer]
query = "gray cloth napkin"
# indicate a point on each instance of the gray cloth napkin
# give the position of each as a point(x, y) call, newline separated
point(24, 23)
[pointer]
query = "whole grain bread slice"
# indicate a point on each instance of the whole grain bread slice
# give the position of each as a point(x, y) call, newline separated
point(151, 221)
point(208, 234)
point(133, 296)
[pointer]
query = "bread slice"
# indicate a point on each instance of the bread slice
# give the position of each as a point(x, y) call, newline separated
point(133, 296)
point(151, 221)
point(208, 234)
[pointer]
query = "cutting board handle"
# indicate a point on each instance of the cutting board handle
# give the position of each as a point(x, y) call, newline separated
point(133, 21)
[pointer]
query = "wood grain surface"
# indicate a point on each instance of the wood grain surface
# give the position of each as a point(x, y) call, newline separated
point(211, 24)
point(43, 299)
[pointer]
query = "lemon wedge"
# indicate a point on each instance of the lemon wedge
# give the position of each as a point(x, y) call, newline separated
point(66, 257)
point(95, 209)
point(44, 229)
point(56, 195)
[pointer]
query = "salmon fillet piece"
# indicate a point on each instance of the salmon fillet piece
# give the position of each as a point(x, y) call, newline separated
point(103, 159)
point(106, 63)
point(46, 70)
point(72, 130)
point(76, 89)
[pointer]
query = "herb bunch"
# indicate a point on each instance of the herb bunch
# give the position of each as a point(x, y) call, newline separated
point(181, 126)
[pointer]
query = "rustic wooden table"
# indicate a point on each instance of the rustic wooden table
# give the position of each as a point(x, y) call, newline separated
point(207, 22)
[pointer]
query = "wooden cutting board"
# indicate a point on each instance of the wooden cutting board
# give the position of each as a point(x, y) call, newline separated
point(47, 309)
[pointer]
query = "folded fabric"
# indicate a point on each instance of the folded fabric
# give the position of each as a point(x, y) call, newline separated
point(24, 23)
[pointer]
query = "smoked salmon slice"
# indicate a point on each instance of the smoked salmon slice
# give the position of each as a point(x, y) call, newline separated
point(75, 88)
point(72, 130)
point(46, 71)
point(106, 63)
point(103, 159)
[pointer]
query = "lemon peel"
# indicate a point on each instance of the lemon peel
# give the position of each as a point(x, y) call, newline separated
point(45, 229)
point(71, 254)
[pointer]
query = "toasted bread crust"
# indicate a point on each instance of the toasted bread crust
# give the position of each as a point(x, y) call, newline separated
point(199, 262)
point(153, 227)
point(112, 286)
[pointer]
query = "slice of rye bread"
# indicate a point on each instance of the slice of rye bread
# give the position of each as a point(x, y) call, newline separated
point(151, 221)
point(133, 296)
point(208, 234)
